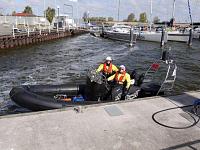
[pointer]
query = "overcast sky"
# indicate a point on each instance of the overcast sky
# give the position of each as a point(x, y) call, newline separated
point(106, 8)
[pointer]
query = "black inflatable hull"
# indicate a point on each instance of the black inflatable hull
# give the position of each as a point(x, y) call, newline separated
point(41, 97)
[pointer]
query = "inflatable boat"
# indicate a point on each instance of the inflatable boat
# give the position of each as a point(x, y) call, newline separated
point(95, 90)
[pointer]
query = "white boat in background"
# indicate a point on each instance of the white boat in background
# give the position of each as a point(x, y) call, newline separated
point(196, 33)
point(120, 32)
point(178, 36)
point(151, 36)
point(121, 28)
point(96, 31)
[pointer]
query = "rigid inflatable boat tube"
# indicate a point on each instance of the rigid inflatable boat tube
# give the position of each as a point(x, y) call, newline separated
point(70, 89)
point(33, 101)
point(36, 98)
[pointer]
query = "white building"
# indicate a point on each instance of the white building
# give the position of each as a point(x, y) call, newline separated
point(63, 21)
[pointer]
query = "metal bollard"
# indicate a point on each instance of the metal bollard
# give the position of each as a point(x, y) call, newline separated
point(131, 37)
point(162, 40)
point(190, 38)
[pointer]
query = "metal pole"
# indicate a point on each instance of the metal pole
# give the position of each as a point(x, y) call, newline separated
point(118, 10)
point(13, 32)
point(151, 16)
point(173, 9)
point(162, 40)
point(57, 18)
point(131, 37)
point(49, 28)
point(71, 8)
point(190, 38)
point(45, 14)
point(77, 15)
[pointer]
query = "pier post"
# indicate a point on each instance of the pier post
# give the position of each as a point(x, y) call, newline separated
point(131, 37)
point(162, 40)
point(28, 32)
point(13, 32)
point(102, 32)
point(190, 38)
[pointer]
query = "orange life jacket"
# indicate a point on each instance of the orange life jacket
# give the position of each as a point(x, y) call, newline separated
point(121, 77)
point(107, 69)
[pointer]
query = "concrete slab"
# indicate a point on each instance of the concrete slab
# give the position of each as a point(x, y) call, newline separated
point(94, 128)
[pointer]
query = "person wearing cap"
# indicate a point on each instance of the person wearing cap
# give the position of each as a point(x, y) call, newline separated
point(121, 77)
point(107, 68)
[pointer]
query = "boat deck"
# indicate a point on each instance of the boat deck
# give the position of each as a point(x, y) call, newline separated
point(120, 125)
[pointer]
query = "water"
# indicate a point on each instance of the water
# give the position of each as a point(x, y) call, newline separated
point(66, 60)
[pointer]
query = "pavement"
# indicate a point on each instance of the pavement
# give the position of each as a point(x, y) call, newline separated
point(116, 126)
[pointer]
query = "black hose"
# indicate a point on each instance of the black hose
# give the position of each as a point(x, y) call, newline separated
point(193, 124)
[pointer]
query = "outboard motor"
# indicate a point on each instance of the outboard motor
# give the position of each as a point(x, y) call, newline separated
point(96, 89)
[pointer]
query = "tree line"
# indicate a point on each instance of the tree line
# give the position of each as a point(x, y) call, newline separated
point(49, 12)
point(142, 18)
point(130, 18)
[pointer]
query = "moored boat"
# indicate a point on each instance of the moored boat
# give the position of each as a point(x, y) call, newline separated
point(95, 90)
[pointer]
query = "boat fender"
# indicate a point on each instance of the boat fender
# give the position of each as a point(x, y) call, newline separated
point(78, 99)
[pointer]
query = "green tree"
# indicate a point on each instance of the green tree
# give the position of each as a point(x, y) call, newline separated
point(50, 14)
point(13, 13)
point(131, 17)
point(156, 19)
point(28, 10)
point(143, 17)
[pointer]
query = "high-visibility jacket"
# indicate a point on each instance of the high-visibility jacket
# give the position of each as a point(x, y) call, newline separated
point(120, 78)
point(107, 69)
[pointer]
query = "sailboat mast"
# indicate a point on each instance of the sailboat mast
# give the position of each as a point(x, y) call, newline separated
point(150, 15)
point(173, 9)
point(118, 10)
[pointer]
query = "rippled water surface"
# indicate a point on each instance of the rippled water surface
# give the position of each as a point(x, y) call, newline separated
point(68, 59)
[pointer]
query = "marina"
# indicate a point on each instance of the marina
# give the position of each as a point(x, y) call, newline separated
point(70, 63)
point(110, 75)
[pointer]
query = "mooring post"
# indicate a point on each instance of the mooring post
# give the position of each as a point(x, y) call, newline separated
point(190, 38)
point(13, 32)
point(28, 31)
point(49, 28)
point(131, 37)
point(162, 40)
point(102, 31)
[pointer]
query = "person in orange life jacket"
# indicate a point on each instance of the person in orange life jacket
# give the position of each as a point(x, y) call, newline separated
point(123, 78)
point(107, 68)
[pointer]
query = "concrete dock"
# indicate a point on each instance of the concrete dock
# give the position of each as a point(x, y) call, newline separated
point(120, 126)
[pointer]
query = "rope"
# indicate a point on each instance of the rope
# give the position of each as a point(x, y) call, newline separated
point(195, 121)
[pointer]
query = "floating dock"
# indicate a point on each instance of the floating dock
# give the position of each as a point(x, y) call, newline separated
point(22, 39)
point(124, 125)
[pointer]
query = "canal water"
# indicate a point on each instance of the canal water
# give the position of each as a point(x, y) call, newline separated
point(68, 59)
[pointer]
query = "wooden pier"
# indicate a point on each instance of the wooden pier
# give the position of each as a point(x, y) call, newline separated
point(22, 39)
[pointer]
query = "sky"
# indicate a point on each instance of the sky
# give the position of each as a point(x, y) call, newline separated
point(108, 8)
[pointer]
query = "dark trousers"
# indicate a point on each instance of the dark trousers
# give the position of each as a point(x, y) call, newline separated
point(123, 86)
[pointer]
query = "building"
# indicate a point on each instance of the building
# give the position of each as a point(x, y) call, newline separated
point(63, 21)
